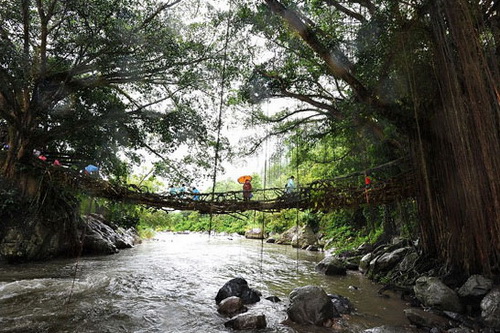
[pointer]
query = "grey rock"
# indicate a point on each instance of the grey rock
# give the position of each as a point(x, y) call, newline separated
point(247, 322)
point(476, 285)
point(388, 260)
point(255, 233)
point(310, 305)
point(101, 238)
point(304, 237)
point(332, 265)
point(231, 306)
point(341, 304)
point(434, 293)
point(427, 319)
point(238, 287)
point(490, 308)
point(286, 237)
point(364, 263)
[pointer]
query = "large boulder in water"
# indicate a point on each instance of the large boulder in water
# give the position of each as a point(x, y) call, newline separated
point(53, 227)
point(301, 237)
point(310, 305)
point(238, 287)
point(247, 322)
point(304, 238)
point(332, 265)
point(286, 237)
point(231, 306)
point(255, 233)
point(99, 238)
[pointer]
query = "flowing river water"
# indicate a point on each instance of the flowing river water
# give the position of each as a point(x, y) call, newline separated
point(169, 285)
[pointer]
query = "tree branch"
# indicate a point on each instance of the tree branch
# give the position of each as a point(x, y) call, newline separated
point(335, 67)
point(368, 5)
point(279, 118)
point(333, 63)
point(345, 10)
point(157, 12)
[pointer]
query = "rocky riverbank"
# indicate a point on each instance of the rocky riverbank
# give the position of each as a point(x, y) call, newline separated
point(438, 300)
point(102, 237)
point(49, 225)
point(36, 239)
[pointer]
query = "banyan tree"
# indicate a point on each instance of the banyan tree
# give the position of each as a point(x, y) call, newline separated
point(82, 76)
point(429, 68)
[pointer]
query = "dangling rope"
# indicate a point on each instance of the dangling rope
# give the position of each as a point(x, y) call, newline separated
point(219, 119)
point(297, 210)
point(263, 213)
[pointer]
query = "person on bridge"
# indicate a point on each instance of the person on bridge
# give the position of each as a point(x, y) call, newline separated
point(368, 185)
point(181, 191)
point(368, 180)
point(91, 170)
point(290, 185)
point(172, 191)
point(195, 192)
point(247, 190)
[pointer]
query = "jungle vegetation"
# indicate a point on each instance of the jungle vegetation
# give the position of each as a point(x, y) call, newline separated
point(366, 83)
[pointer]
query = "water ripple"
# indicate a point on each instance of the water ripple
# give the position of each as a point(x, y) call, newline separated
point(169, 285)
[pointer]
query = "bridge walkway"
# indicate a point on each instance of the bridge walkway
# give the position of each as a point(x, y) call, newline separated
point(321, 195)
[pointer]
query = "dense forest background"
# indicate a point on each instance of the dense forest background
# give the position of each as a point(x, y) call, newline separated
point(366, 83)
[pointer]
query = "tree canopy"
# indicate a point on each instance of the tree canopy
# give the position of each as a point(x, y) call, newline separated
point(368, 83)
point(415, 80)
point(91, 78)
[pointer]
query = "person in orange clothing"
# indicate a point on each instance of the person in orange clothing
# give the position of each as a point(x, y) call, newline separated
point(247, 190)
point(368, 180)
point(368, 184)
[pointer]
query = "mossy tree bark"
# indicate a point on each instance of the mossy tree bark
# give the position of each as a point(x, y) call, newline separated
point(457, 150)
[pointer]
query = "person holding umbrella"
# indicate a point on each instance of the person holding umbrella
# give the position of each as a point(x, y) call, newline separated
point(247, 190)
point(247, 187)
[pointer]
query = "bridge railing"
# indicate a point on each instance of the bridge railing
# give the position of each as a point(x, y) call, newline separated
point(263, 195)
point(319, 195)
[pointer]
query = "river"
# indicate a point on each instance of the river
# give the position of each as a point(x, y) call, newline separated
point(169, 285)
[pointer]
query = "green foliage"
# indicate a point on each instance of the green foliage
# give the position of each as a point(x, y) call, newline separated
point(145, 232)
point(121, 214)
point(281, 221)
point(191, 221)
point(344, 232)
point(194, 221)
point(343, 238)
point(102, 79)
point(231, 224)
point(156, 220)
point(10, 199)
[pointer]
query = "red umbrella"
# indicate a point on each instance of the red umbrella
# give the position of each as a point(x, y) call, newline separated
point(242, 179)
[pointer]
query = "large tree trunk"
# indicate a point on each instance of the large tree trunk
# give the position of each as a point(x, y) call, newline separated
point(19, 151)
point(459, 147)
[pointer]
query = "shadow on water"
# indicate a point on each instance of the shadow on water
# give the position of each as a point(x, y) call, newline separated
point(169, 285)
